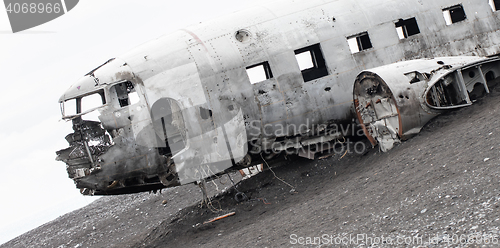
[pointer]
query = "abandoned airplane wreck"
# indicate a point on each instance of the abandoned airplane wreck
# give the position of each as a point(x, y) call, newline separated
point(227, 94)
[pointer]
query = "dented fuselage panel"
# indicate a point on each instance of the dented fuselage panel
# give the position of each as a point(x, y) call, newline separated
point(266, 82)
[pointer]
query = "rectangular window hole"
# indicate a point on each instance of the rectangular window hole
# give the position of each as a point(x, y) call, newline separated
point(133, 97)
point(126, 94)
point(454, 14)
point(305, 60)
point(259, 72)
point(407, 28)
point(92, 101)
point(359, 42)
point(311, 62)
point(69, 107)
point(416, 76)
point(495, 4)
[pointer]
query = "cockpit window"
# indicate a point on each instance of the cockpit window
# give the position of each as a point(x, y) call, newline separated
point(69, 107)
point(83, 104)
point(125, 94)
point(91, 102)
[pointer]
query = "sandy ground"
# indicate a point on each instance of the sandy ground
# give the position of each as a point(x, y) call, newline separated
point(438, 189)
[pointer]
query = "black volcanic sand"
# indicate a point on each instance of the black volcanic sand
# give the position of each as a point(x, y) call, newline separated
point(441, 184)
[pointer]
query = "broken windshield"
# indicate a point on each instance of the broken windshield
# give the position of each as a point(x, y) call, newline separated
point(83, 105)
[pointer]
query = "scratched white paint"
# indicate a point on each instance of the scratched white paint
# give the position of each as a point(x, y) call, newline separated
point(41, 63)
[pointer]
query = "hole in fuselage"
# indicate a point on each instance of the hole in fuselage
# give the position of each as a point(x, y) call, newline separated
point(205, 113)
point(490, 79)
point(489, 76)
point(445, 94)
point(477, 92)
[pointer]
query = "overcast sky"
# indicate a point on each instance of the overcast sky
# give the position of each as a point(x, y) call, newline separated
point(38, 65)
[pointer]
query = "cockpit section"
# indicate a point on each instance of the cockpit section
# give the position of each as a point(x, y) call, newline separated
point(133, 136)
point(113, 149)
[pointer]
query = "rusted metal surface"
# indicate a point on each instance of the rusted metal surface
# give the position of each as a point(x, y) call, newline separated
point(182, 108)
point(394, 102)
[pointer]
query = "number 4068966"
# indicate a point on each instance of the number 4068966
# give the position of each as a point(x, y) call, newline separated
point(33, 8)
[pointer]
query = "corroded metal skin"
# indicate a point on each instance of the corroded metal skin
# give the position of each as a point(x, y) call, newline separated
point(185, 107)
point(393, 102)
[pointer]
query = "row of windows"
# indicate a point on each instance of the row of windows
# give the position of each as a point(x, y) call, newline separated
point(312, 63)
point(310, 60)
point(123, 93)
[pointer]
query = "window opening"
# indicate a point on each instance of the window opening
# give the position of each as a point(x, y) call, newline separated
point(305, 60)
point(407, 28)
point(454, 14)
point(133, 97)
point(83, 104)
point(359, 42)
point(126, 94)
point(495, 4)
point(259, 72)
point(416, 76)
point(91, 101)
point(69, 107)
point(311, 62)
